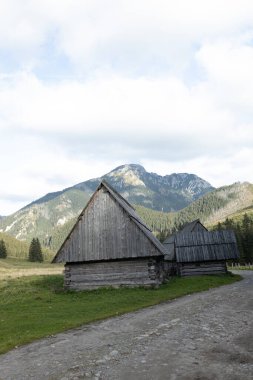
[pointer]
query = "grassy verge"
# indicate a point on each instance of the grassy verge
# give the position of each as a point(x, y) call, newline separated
point(35, 307)
point(241, 267)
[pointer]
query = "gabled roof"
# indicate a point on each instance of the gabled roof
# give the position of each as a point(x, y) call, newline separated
point(128, 208)
point(192, 226)
point(124, 203)
point(188, 228)
point(134, 216)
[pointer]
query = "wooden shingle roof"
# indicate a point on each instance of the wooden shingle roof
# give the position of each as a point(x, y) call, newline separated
point(206, 246)
point(195, 243)
point(193, 226)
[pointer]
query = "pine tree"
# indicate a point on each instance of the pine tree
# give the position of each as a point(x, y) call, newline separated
point(219, 226)
point(247, 232)
point(35, 252)
point(3, 250)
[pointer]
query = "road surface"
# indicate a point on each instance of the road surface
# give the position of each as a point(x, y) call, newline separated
point(203, 336)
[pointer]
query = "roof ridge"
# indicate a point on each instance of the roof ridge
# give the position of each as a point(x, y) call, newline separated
point(109, 187)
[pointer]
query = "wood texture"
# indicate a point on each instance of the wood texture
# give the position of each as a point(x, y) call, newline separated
point(108, 229)
point(206, 246)
point(169, 242)
point(140, 272)
point(194, 269)
point(201, 245)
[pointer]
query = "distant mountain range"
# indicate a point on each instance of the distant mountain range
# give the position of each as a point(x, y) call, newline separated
point(162, 201)
point(168, 193)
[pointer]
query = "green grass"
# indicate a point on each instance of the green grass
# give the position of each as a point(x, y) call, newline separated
point(15, 268)
point(37, 306)
point(13, 262)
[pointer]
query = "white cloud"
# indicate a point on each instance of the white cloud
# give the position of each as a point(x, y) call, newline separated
point(119, 35)
point(218, 171)
point(34, 167)
point(131, 106)
point(228, 66)
point(165, 84)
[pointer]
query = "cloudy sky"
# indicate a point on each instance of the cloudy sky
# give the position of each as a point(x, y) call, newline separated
point(87, 85)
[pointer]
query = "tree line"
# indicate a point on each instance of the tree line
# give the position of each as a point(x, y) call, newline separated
point(243, 230)
point(34, 253)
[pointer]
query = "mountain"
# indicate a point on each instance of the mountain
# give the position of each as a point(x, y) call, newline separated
point(163, 193)
point(225, 202)
point(166, 193)
point(45, 217)
point(51, 217)
point(40, 219)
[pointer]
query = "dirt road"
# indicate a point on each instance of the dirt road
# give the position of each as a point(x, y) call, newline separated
point(203, 336)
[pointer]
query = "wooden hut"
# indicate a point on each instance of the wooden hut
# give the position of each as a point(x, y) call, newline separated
point(196, 251)
point(110, 246)
point(169, 242)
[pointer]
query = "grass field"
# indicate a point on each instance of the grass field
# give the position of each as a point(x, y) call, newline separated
point(38, 306)
point(14, 268)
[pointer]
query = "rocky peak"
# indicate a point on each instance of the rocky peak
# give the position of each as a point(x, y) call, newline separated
point(128, 167)
point(127, 175)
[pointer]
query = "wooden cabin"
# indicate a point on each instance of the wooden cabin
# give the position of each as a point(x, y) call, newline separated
point(110, 246)
point(196, 251)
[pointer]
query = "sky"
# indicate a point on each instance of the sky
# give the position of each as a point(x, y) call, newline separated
point(88, 85)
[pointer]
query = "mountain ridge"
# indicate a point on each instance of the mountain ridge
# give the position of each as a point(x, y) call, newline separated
point(187, 186)
point(132, 181)
point(52, 216)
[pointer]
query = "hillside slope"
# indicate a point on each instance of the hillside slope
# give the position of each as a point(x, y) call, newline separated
point(40, 219)
point(224, 202)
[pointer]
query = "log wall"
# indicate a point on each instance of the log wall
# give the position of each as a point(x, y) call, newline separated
point(201, 268)
point(140, 272)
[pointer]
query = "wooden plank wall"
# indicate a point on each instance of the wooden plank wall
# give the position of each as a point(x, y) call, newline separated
point(143, 272)
point(195, 269)
point(106, 232)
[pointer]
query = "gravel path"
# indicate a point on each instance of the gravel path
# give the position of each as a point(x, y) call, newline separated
point(204, 336)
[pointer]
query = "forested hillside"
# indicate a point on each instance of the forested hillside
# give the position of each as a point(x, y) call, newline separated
point(243, 228)
point(19, 249)
point(218, 205)
point(15, 248)
point(228, 201)
point(156, 220)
